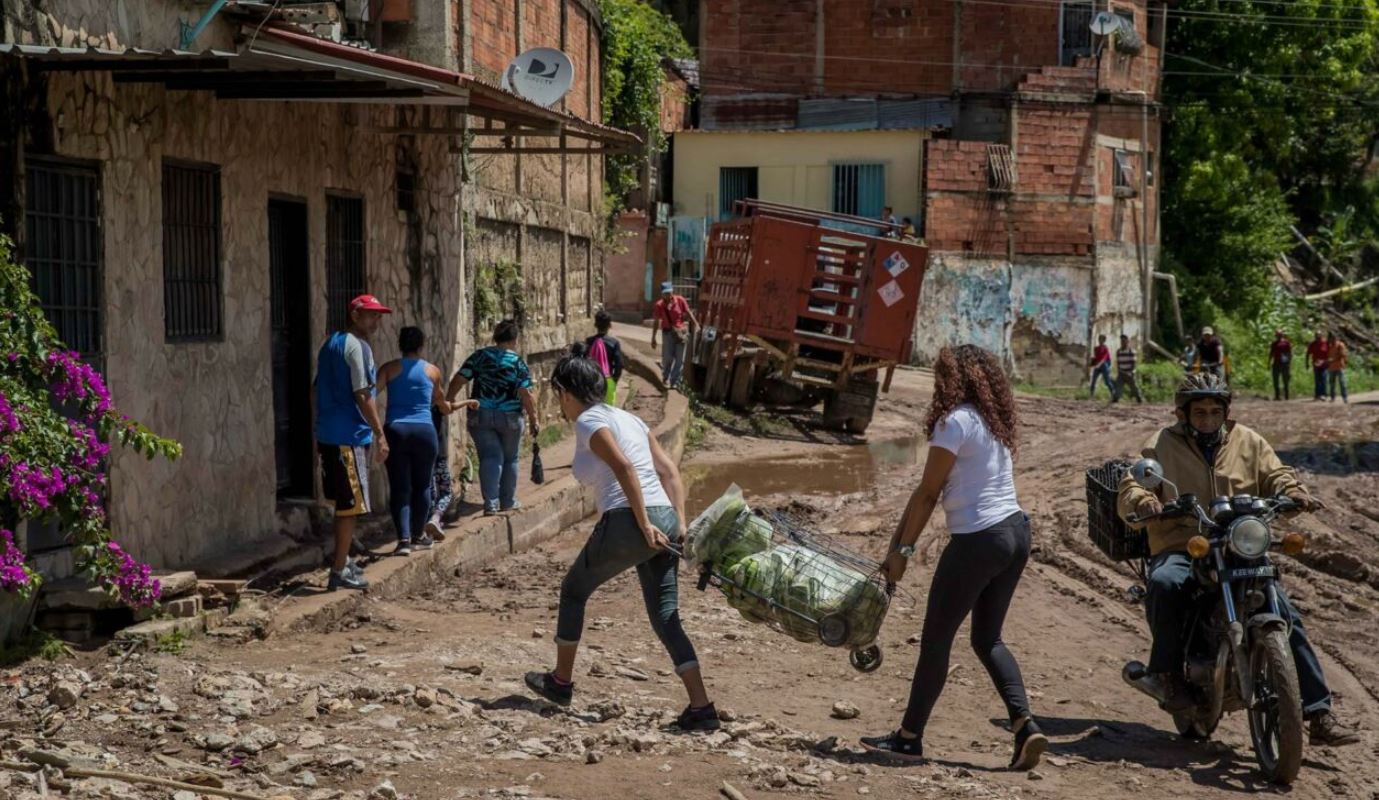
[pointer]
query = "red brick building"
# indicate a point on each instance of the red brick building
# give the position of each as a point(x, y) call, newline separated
point(1039, 197)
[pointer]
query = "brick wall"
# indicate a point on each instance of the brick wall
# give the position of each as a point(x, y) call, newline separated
point(999, 44)
point(493, 29)
point(887, 47)
point(577, 47)
point(757, 45)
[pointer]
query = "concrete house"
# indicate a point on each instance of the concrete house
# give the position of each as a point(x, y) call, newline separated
point(1020, 143)
point(198, 190)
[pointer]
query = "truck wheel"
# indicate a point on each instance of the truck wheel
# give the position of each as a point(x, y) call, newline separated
point(851, 409)
point(743, 384)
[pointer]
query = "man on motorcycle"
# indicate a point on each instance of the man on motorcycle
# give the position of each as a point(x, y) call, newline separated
point(1211, 456)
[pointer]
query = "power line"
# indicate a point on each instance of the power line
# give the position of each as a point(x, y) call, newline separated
point(1268, 19)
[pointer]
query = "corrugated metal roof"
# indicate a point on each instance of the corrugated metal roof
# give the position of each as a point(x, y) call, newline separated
point(688, 69)
point(319, 69)
point(864, 114)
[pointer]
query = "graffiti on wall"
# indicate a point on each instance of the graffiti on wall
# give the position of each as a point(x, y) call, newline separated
point(964, 301)
point(980, 301)
point(1056, 300)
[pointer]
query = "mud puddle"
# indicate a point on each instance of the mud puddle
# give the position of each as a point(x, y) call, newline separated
point(834, 472)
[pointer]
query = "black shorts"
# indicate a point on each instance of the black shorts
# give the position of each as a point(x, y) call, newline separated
point(345, 477)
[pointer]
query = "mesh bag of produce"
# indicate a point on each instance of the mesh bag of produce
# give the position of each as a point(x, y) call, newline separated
point(727, 532)
point(795, 587)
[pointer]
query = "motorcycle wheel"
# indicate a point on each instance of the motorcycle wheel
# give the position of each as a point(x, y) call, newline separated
point(1276, 723)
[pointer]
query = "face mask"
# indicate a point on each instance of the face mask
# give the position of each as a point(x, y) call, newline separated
point(1207, 441)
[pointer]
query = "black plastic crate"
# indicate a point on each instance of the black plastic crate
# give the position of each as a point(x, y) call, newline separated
point(1104, 525)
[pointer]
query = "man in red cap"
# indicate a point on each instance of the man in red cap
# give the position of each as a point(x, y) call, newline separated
point(347, 425)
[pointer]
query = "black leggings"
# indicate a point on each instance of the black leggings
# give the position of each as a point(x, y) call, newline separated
point(976, 575)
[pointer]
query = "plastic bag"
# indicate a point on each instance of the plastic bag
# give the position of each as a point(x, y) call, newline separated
point(538, 470)
point(727, 532)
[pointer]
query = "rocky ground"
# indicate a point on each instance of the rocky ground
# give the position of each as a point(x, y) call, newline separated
point(423, 697)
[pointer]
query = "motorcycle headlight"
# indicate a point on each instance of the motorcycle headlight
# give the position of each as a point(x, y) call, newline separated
point(1249, 537)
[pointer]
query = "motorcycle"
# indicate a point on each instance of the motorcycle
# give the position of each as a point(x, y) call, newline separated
point(1237, 655)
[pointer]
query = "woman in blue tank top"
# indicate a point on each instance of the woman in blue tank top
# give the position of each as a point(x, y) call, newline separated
point(413, 386)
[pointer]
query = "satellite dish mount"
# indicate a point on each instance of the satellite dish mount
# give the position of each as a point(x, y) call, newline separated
point(1105, 23)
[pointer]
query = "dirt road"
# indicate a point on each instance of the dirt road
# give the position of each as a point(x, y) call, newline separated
point(426, 693)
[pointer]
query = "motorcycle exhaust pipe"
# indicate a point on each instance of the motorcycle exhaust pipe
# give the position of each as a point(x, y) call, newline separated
point(1137, 675)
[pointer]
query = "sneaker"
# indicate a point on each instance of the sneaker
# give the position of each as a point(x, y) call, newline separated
point(516, 506)
point(433, 529)
point(423, 542)
point(1030, 744)
point(347, 580)
point(895, 745)
point(404, 548)
point(491, 510)
point(698, 719)
point(354, 568)
point(546, 685)
point(1325, 729)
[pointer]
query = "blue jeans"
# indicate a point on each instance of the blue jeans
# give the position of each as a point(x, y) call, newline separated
point(412, 448)
point(672, 358)
point(1338, 379)
point(1319, 377)
point(1169, 606)
point(1103, 372)
point(617, 544)
point(497, 436)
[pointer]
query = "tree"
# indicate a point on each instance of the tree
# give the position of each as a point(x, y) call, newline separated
point(636, 39)
point(56, 428)
point(1273, 107)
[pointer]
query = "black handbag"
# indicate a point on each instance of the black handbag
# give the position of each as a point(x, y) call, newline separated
point(538, 472)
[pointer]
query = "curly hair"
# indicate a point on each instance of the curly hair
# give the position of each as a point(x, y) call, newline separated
point(969, 374)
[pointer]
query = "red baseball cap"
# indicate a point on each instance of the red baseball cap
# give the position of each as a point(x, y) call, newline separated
point(367, 302)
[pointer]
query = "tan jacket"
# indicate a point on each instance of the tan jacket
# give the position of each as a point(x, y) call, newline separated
point(1245, 464)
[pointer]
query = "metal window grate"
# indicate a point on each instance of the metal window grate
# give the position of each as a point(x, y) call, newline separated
point(859, 189)
point(345, 274)
point(1124, 184)
point(734, 184)
point(1075, 32)
point(1000, 169)
point(63, 250)
point(192, 294)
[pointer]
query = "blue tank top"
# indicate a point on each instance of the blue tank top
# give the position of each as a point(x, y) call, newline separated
point(410, 393)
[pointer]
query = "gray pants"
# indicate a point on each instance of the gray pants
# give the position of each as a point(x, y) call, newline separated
point(617, 545)
point(1126, 382)
point(672, 358)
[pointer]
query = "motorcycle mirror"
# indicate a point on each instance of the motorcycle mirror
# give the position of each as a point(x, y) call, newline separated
point(1148, 473)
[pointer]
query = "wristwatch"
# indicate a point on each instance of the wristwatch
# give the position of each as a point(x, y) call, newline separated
point(906, 550)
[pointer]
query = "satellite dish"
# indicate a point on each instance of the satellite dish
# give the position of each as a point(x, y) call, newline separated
point(1105, 23)
point(542, 75)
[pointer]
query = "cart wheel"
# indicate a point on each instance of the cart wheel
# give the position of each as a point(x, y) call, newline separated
point(868, 659)
point(834, 630)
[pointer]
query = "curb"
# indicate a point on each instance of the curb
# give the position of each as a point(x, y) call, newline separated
point(475, 543)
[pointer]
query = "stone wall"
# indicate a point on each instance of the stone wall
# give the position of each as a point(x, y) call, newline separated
point(216, 397)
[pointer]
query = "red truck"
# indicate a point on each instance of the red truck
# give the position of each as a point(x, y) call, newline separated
point(798, 305)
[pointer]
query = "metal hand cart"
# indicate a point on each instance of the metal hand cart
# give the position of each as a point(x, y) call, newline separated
point(821, 592)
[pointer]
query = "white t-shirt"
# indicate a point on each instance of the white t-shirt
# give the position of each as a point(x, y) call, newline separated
point(981, 488)
point(632, 436)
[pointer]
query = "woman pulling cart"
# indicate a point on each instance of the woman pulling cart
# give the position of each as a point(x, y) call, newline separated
point(641, 500)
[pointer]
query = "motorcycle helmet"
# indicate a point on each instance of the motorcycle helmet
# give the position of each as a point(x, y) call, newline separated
point(1201, 386)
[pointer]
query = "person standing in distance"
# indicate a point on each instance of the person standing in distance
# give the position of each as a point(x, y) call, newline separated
point(347, 426)
point(672, 318)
